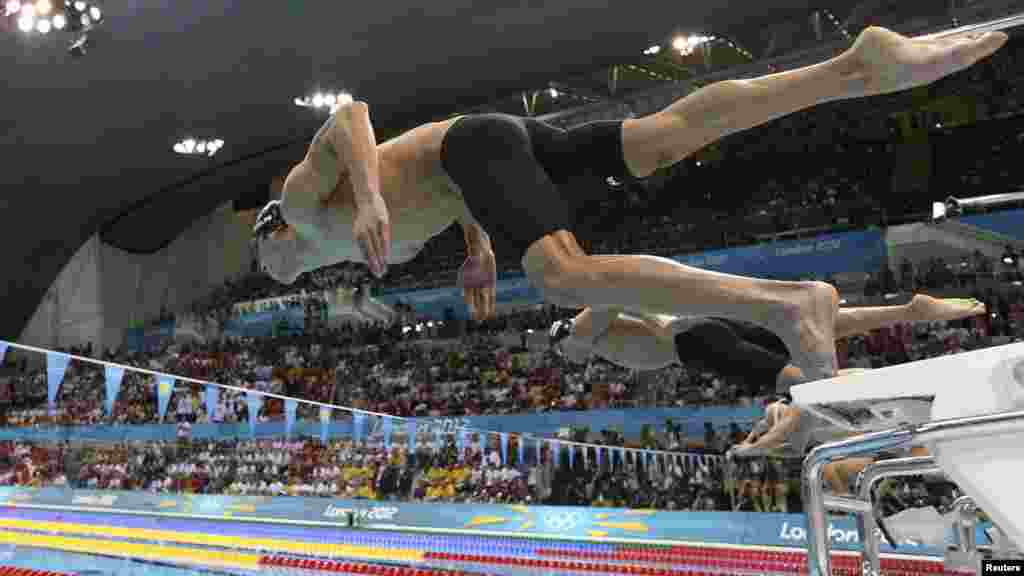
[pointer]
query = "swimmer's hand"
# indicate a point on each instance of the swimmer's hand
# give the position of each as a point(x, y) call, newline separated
point(882, 61)
point(372, 233)
point(478, 278)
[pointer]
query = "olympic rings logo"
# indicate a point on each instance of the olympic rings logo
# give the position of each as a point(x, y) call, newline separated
point(561, 521)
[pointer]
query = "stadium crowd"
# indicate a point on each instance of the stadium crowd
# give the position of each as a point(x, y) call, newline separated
point(378, 369)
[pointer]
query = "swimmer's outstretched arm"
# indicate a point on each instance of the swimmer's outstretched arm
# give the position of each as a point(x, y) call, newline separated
point(341, 172)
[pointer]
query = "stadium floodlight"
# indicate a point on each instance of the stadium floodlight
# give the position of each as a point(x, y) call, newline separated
point(198, 147)
point(324, 100)
point(59, 21)
point(43, 26)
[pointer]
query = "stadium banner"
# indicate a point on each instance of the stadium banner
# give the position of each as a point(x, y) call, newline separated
point(510, 292)
point(1008, 223)
point(266, 324)
point(628, 422)
point(555, 522)
point(138, 340)
point(790, 259)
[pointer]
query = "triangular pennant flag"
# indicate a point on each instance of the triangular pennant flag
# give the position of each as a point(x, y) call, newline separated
point(412, 436)
point(290, 407)
point(254, 401)
point(211, 401)
point(164, 389)
point(503, 439)
point(386, 429)
point(325, 423)
point(358, 420)
point(114, 376)
point(56, 365)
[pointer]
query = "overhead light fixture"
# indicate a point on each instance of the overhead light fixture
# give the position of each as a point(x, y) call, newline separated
point(324, 100)
point(43, 17)
point(196, 147)
point(685, 45)
point(651, 51)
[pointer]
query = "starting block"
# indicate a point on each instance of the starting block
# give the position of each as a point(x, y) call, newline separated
point(966, 409)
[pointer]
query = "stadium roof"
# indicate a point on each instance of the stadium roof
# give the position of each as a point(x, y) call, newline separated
point(87, 142)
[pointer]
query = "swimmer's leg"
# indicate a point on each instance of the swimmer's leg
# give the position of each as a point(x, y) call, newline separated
point(922, 308)
point(802, 314)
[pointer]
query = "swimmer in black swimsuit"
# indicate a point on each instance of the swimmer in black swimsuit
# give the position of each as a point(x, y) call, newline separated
point(738, 350)
point(520, 181)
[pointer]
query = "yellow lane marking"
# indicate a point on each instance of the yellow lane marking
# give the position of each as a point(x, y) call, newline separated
point(128, 549)
point(216, 540)
point(629, 526)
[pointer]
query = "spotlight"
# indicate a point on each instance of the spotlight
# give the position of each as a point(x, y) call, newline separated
point(80, 5)
point(330, 100)
point(26, 23)
point(190, 145)
point(179, 148)
point(12, 7)
point(86, 21)
point(318, 100)
point(652, 50)
point(201, 147)
point(552, 92)
point(43, 26)
point(94, 11)
point(43, 7)
point(59, 22)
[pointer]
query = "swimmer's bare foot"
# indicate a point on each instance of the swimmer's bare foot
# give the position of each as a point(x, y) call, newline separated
point(924, 308)
point(807, 327)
